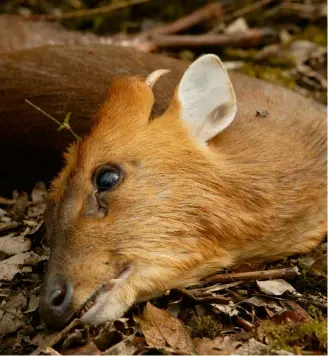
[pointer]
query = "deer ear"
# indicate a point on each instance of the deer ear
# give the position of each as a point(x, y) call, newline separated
point(207, 99)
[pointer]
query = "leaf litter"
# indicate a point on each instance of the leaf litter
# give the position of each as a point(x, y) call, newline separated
point(278, 308)
point(250, 312)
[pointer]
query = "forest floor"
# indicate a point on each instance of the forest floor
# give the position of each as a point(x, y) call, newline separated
point(276, 308)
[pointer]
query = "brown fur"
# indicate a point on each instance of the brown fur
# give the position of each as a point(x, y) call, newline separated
point(184, 211)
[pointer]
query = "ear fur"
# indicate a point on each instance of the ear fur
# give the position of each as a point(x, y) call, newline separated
point(207, 99)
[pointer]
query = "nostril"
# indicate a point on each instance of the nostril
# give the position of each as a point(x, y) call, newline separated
point(56, 301)
point(58, 297)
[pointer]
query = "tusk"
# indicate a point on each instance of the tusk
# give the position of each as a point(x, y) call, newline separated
point(154, 76)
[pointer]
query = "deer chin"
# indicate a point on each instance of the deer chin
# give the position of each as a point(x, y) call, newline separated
point(105, 304)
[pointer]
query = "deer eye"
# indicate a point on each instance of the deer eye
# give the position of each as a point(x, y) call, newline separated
point(107, 177)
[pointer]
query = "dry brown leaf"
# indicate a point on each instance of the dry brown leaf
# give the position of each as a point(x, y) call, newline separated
point(275, 287)
point(218, 346)
point(125, 347)
point(11, 318)
point(33, 303)
point(88, 349)
point(229, 309)
point(39, 193)
point(12, 245)
point(259, 301)
point(10, 266)
point(320, 265)
point(161, 329)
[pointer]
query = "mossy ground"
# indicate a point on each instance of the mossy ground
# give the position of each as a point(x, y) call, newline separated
point(306, 336)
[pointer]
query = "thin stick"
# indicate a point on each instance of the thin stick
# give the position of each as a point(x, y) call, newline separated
point(5, 201)
point(75, 323)
point(203, 299)
point(85, 12)
point(216, 287)
point(208, 11)
point(53, 119)
point(250, 38)
point(44, 113)
point(244, 323)
point(253, 6)
point(256, 275)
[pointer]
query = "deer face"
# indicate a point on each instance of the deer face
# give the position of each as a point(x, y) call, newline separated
point(127, 215)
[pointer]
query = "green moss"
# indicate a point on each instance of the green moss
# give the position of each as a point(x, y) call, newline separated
point(271, 74)
point(204, 326)
point(315, 34)
point(250, 56)
point(240, 54)
point(307, 336)
point(283, 62)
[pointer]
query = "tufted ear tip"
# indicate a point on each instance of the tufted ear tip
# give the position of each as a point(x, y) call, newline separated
point(153, 77)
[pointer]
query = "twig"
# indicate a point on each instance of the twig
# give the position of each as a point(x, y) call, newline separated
point(215, 288)
point(244, 323)
point(250, 38)
point(256, 275)
point(245, 10)
point(85, 12)
point(8, 226)
point(64, 124)
point(236, 295)
point(203, 299)
point(5, 201)
point(208, 11)
point(75, 323)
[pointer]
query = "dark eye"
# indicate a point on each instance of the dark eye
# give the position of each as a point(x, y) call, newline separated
point(107, 178)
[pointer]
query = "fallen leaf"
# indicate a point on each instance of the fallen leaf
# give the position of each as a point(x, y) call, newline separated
point(42, 339)
point(11, 317)
point(320, 265)
point(39, 193)
point(161, 329)
point(108, 338)
point(10, 266)
point(218, 346)
point(229, 309)
point(33, 304)
point(18, 210)
point(88, 349)
point(258, 301)
point(125, 347)
point(275, 287)
point(12, 245)
point(253, 347)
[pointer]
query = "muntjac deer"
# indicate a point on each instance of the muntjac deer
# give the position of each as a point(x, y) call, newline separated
point(63, 71)
point(143, 206)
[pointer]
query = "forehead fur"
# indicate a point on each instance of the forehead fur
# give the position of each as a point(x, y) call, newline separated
point(129, 102)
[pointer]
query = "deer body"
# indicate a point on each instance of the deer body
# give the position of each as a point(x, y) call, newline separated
point(209, 183)
point(144, 205)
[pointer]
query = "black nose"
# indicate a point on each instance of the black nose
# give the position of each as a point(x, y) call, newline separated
point(56, 301)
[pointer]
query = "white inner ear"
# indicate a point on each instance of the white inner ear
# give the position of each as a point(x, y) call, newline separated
point(208, 101)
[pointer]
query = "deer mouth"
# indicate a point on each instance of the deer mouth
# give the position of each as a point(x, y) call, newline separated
point(94, 303)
